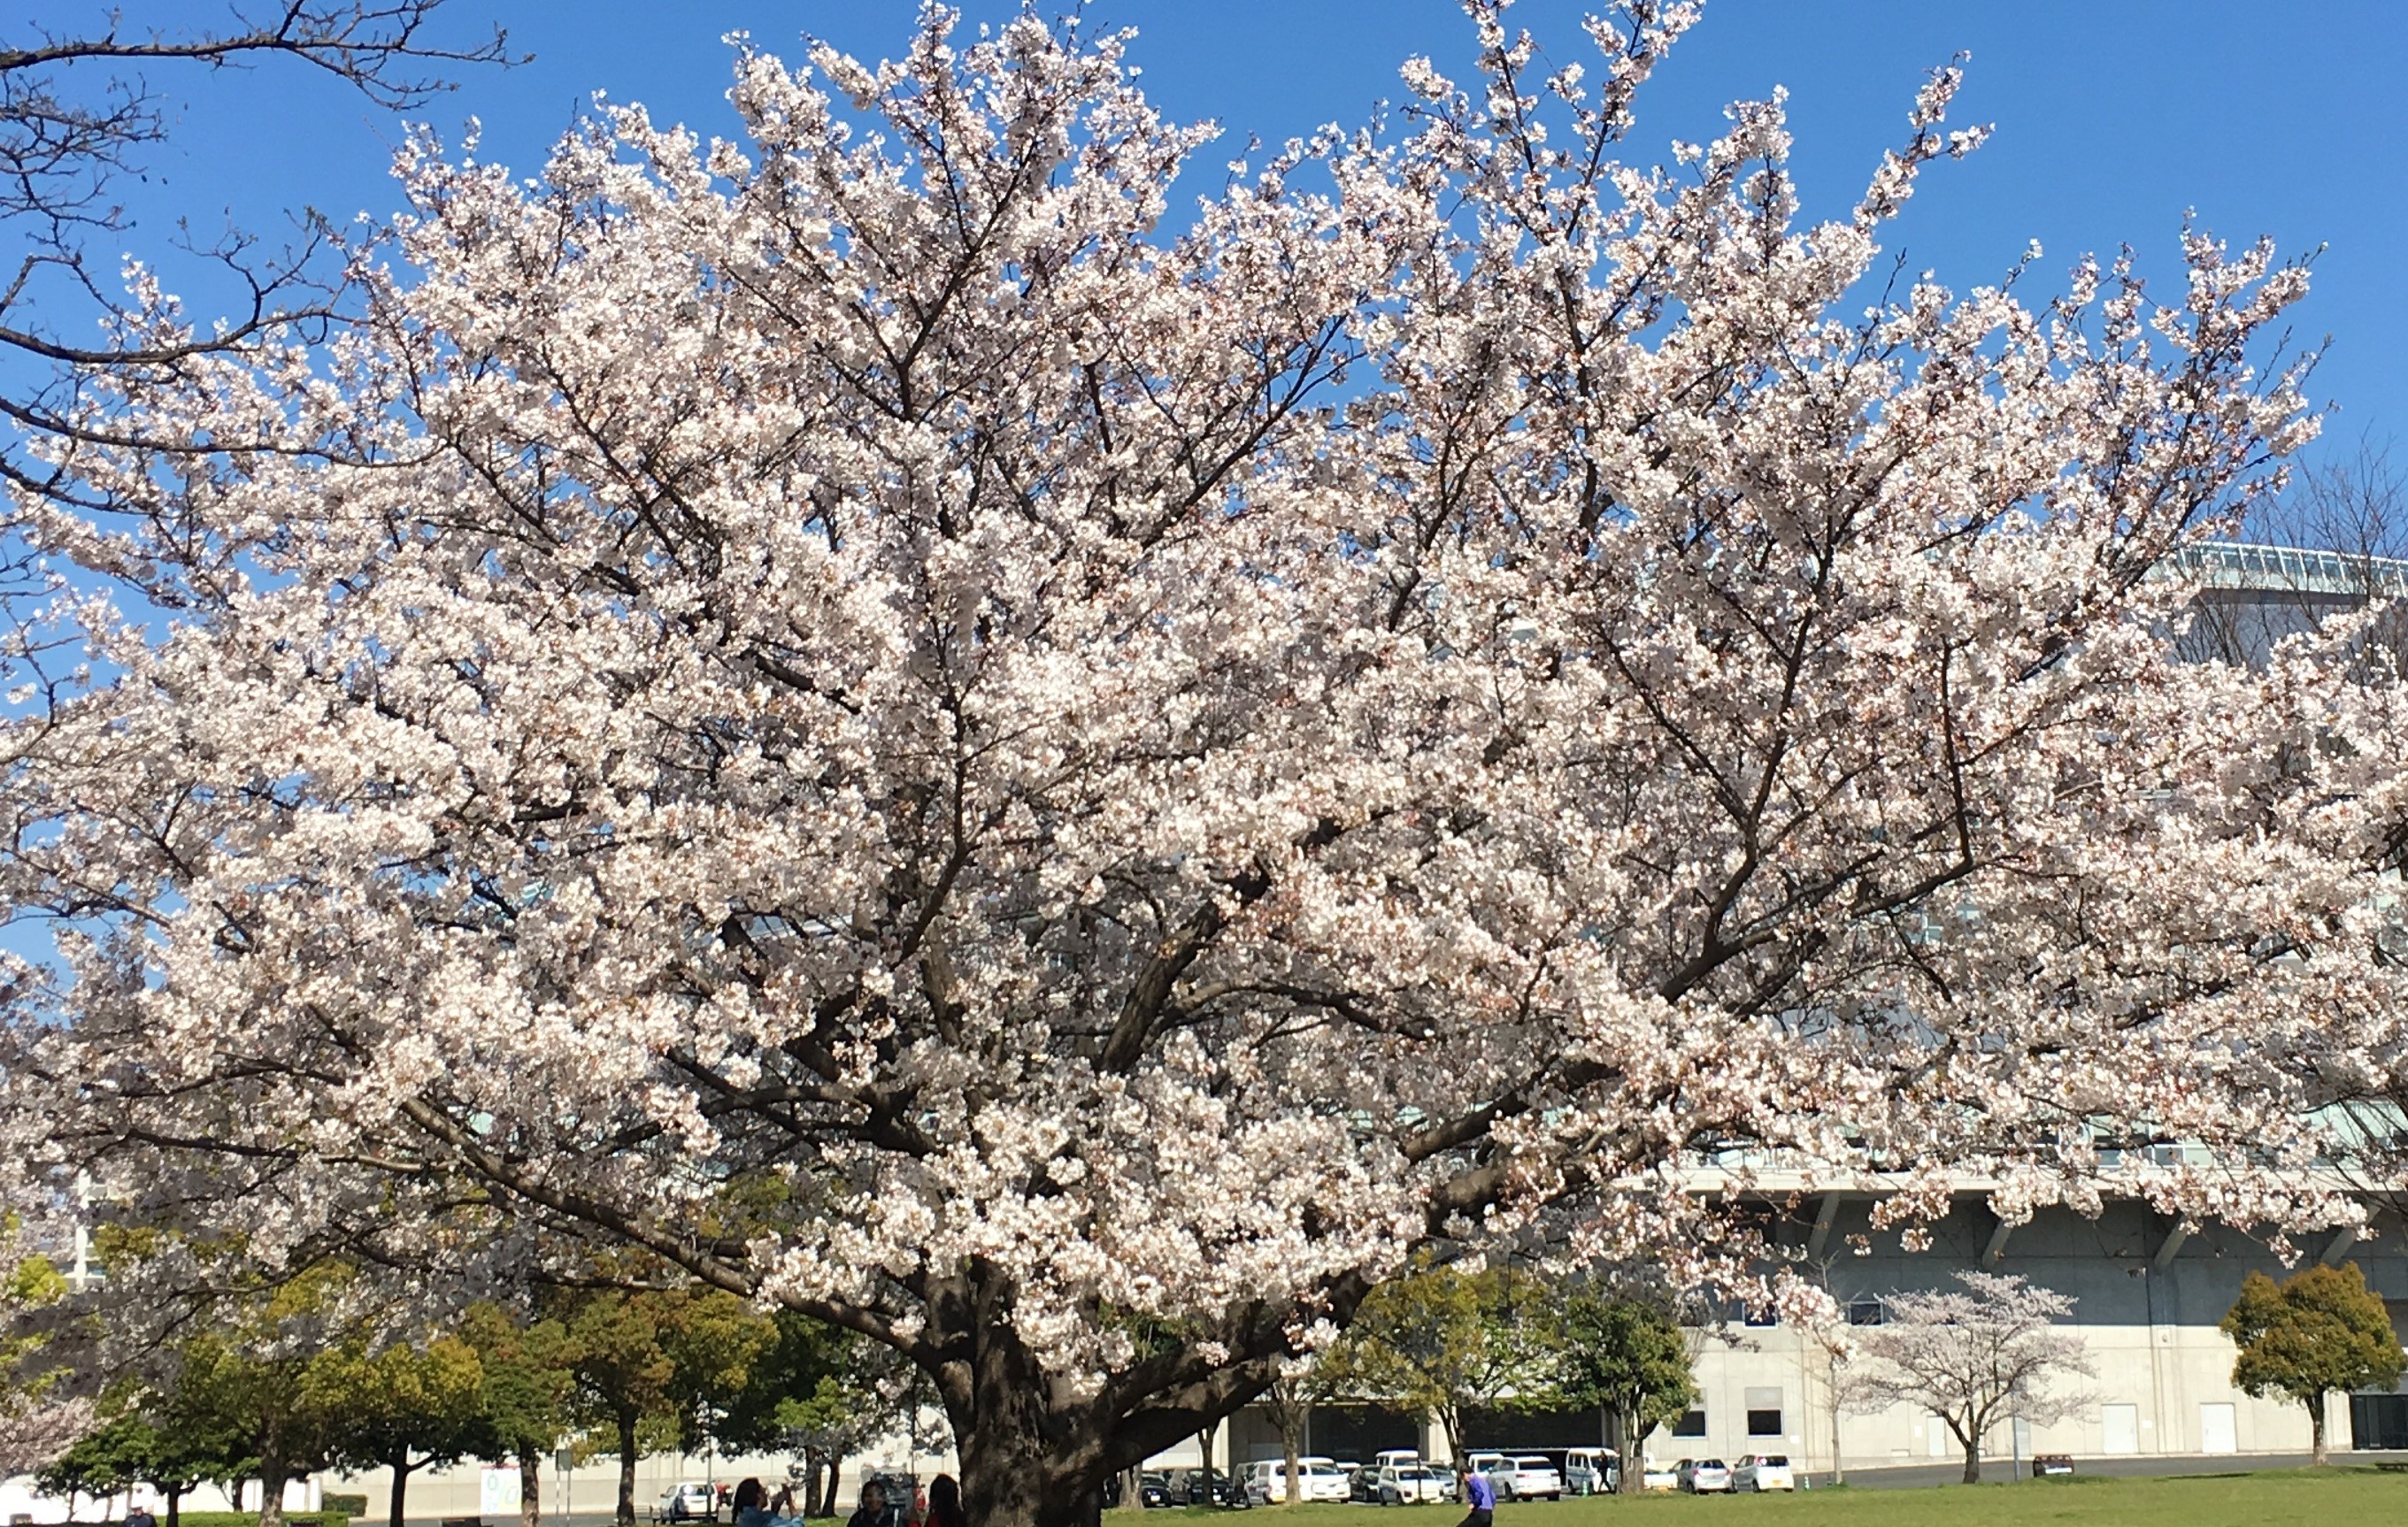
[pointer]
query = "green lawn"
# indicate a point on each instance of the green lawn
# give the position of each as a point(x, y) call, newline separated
point(2334, 1497)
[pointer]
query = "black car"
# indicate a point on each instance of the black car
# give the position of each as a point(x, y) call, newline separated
point(1364, 1485)
point(1153, 1488)
point(1188, 1488)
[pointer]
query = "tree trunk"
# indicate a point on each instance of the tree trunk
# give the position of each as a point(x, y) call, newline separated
point(272, 1475)
point(2320, 1455)
point(400, 1466)
point(1204, 1451)
point(530, 1488)
point(1974, 1459)
point(274, 1469)
point(626, 1468)
point(1632, 1479)
point(1291, 1450)
point(174, 1494)
point(1839, 1476)
point(835, 1478)
point(1030, 1455)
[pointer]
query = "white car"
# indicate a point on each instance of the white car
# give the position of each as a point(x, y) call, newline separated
point(1396, 1458)
point(1703, 1476)
point(1759, 1471)
point(1536, 1478)
point(1324, 1480)
point(1318, 1480)
point(691, 1501)
point(1654, 1475)
point(1590, 1471)
point(1414, 1483)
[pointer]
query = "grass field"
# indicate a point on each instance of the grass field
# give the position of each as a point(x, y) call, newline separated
point(2333, 1497)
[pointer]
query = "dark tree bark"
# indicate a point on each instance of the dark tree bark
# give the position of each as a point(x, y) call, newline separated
point(402, 1469)
point(530, 1486)
point(627, 1419)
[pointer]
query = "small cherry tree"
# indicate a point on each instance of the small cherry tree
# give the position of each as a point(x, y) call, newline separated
point(1974, 1357)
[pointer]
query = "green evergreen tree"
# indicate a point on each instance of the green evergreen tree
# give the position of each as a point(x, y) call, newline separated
point(528, 1372)
point(402, 1407)
point(2320, 1332)
point(1443, 1342)
point(1627, 1357)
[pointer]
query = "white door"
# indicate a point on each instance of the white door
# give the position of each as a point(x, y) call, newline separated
point(1942, 1444)
point(2120, 1429)
point(2216, 1433)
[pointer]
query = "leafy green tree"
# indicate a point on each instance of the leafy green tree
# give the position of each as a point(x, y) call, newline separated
point(401, 1407)
point(824, 1393)
point(250, 1377)
point(643, 1360)
point(150, 1439)
point(1442, 1341)
point(527, 1370)
point(1627, 1357)
point(2318, 1332)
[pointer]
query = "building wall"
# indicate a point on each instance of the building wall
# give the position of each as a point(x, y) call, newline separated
point(2147, 1313)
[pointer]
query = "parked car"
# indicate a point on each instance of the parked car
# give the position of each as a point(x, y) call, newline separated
point(1324, 1480)
point(1498, 1468)
point(689, 1501)
point(1153, 1488)
point(1591, 1471)
point(1536, 1478)
point(1411, 1484)
point(1500, 1473)
point(1396, 1458)
point(1189, 1487)
point(1318, 1480)
point(1703, 1476)
point(1654, 1475)
point(2046, 1464)
point(1760, 1472)
point(1363, 1483)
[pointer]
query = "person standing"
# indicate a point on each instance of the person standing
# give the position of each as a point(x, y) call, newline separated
point(1480, 1494)
point(945, 1502)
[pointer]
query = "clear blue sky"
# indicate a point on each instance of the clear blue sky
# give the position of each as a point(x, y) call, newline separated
point(2113, 116)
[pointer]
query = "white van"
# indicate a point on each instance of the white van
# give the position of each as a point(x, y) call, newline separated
point(1592, 1471)
point(1318, 1478)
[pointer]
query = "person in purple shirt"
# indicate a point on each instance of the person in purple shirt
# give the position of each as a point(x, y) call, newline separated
point(1480, 1495)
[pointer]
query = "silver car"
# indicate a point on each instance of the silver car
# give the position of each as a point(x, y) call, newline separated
point(1703, 1476)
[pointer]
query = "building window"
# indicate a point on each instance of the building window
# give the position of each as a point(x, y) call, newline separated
point(1866, 1312)
point(1692, 1424)
point(1763, 1316)
point(1764, 1412)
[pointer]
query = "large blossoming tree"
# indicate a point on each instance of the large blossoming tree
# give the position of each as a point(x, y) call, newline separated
point(849, 713)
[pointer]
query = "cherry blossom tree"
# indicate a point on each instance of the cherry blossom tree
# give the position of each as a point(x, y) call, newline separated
point(1990, 1352)
point(860, 714)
